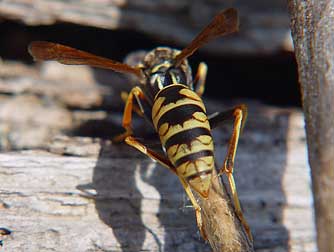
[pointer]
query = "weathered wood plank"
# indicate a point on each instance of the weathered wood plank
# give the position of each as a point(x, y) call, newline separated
point(117, 200)
point(112, 194)
point(311, 24)
point(265, 25)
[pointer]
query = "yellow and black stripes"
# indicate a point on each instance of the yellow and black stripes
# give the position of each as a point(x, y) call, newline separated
point(179, 117)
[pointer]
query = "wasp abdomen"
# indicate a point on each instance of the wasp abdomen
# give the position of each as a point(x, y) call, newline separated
point(179, 116)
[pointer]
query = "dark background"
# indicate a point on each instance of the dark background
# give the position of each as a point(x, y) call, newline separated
point(268, 78)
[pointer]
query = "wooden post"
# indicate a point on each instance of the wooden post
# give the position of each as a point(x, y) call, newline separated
point(312, 24)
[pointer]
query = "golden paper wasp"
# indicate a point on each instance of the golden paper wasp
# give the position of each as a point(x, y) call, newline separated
point(165, 85)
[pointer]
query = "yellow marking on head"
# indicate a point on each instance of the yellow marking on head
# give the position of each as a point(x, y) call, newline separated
point(165, 64)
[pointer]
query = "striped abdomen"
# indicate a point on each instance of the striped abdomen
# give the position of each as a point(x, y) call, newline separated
point(179, 116)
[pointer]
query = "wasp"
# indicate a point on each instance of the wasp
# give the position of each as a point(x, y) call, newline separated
point(176, 110)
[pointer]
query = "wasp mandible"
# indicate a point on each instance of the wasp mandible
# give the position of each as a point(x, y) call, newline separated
point(165, 85)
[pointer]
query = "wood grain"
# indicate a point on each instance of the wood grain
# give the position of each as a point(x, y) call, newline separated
point(311, 25)
point(265, 24)
point(72, 189)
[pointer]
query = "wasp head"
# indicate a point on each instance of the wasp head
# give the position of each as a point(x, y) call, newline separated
point(159, 68)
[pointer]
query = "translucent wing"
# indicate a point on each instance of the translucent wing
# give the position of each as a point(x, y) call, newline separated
point(43, 50)
point(224, 23)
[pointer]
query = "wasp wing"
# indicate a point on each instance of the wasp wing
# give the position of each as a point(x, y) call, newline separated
point(43, 50)
point(224, 23)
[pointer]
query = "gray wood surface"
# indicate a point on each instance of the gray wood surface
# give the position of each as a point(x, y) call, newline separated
point(312, 29)
point(65, 186)
point(70, 192)
point(117, 200)
point(264, 24)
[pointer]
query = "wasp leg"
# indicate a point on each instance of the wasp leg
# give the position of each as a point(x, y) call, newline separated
point(200, 78)
point(197, 208)
point(219, 118)
point(138, 94)
point(165, 162)
point(124, 97)
point(239, 114)
point(149, 152)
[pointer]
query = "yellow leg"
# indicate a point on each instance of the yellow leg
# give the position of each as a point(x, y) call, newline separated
point(239, 113)
point(200, 78)
point(135, 93)
point(149, 152)
point(237, 206)
point(197, 208)
point(165, 162)
point(138, 110)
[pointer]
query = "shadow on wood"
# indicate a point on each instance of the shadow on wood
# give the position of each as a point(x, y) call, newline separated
point(143, 204)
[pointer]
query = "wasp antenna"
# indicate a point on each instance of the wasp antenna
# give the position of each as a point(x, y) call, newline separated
point(224, 23)
point(43, 50)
